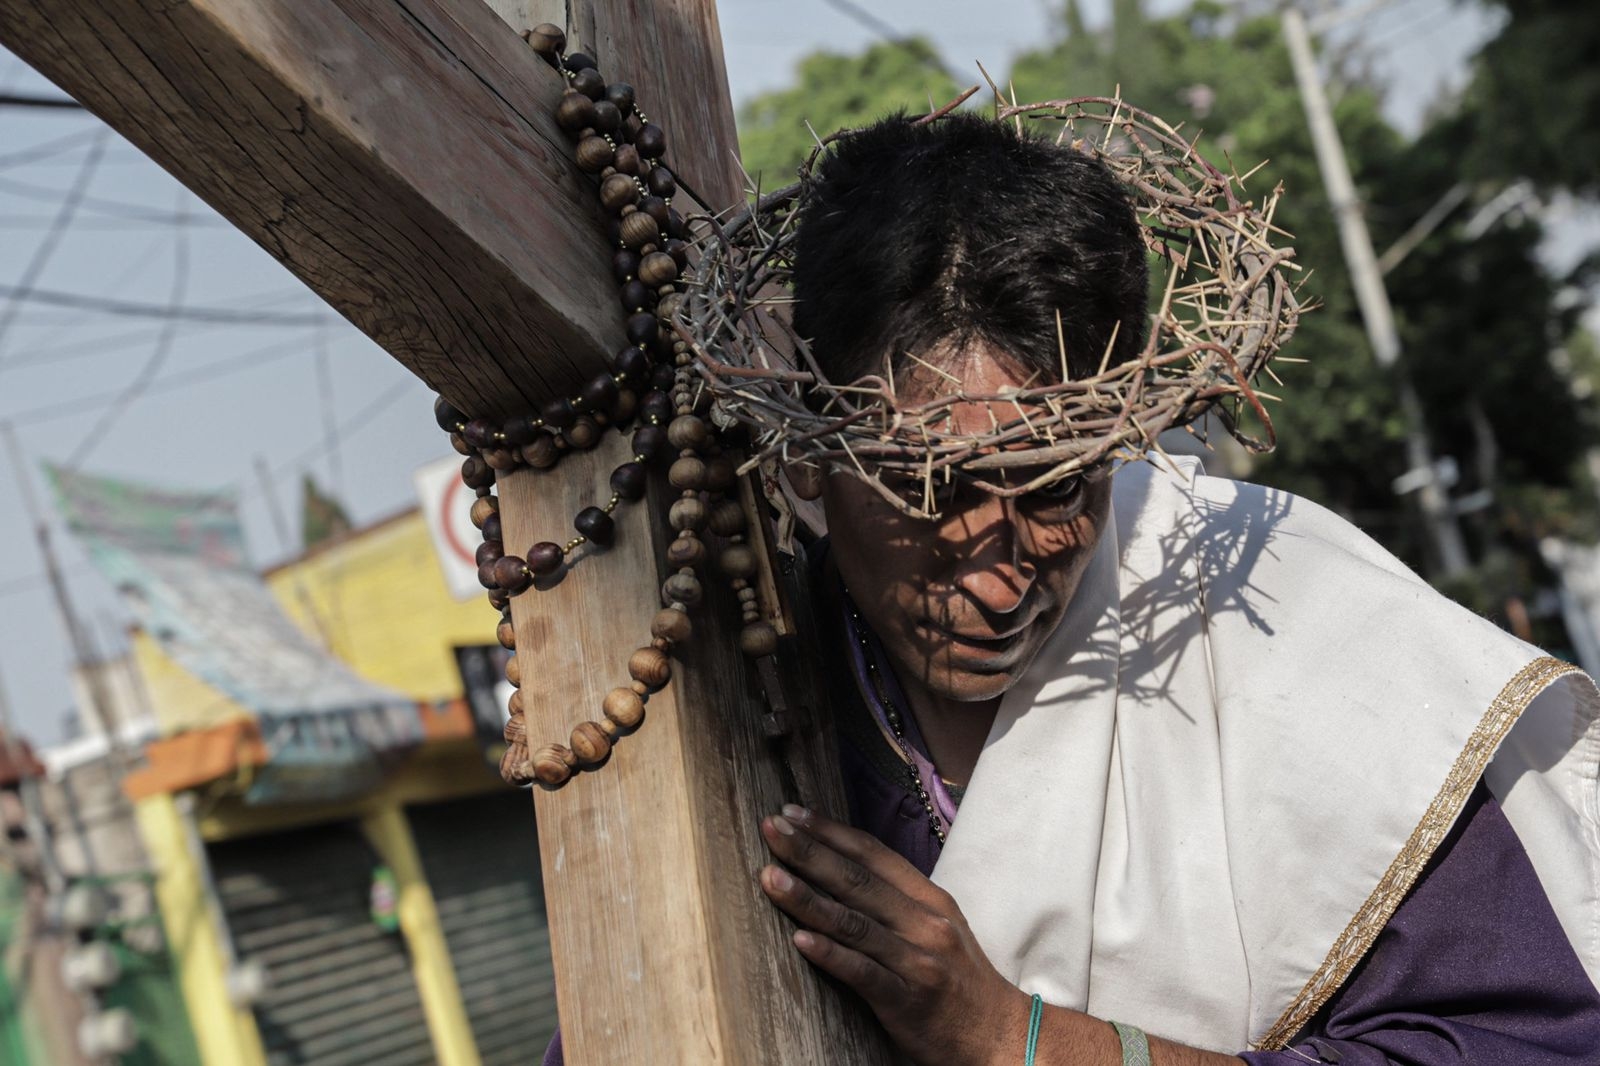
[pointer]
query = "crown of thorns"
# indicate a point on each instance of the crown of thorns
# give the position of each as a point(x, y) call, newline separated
point(1226, 308)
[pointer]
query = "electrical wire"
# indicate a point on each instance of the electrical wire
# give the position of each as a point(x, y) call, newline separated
point(48, 150)
point(135, 309)
point(119, 209)
point(888, 34)
point(46, 248)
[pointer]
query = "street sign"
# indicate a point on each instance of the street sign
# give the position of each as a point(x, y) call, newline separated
point(446, 506)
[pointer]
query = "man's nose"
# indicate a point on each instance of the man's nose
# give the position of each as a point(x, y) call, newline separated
point(996, 571)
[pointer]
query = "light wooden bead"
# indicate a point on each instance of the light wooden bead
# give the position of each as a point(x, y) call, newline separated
point(517, 770)
point(590, 744)
point(658, 269)
point(516, 704)
point(687, 513)
point(542, 452)
point(624, 707)
point(459, 443)
point(506, 635)
point(671, 625)
point(619, 191)
point(686, 551)
point(482, 508)
point(552, 765)
point(547, 39)
point(682, 588)
point(501, 458)
point(688, 472)
point(514, 671)
point(688, 431)
point(758, 639)
point(594, 155)
point(650, 666)
point(638, 229)
point(584, 433)
point(516, 731)
point(737, 560)
point(726, 518)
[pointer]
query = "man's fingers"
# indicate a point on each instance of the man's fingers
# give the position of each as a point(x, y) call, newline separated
point(845, 879)
point(844, 925)
point(869, 852)
point(872, 981)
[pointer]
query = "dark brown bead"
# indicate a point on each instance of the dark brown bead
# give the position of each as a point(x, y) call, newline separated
point(545, 558)
point(506, 634)
point(629, 481)
point(617, 192)
point(547, 39)
point(686, 551)
point(638, 229)
point(479, 433)
point(636, 296)
point(671, 625)
point(656, 406)
point(661, 377)
point(661, 183)
point(489, 551)
point(519, 430)
point(482, 508)
point(632, 125)
point(676, 228)
point(624, 406)
point(579, 61)
point(514, 670)
point(491, 528)
point(687, 472)
point(643, 329)
point(450, 420)
point(625, 707)
point(599, 393)
point(486, 576)
point(656, 208)
point(632, 364)
point(688, 431)
point(594, 154)
point(583, 434)
point(607, 119)
point(650, 666)
point(658, 269)
point(541, 452)
point(687, 513)
point(624, 261)
point(589, 82)
point(613, 230)
point(559, 414)
point(590, 744)
point(499, 599)
point(679, 250)
point(596, 525)
point(501, 458)
point(682, 588)
point(651, 141)
point(758, 639)
point(627, 161)
point(649, 441)
point(720, 474)
point(511, 573)
point(459, 443)
point(727, 518)
point(575, 112)
point(621, 96)
point(738, 560)
point(476, 473)
point(551, 765)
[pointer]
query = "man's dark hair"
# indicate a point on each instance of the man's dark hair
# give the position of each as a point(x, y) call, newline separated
point(962, 230)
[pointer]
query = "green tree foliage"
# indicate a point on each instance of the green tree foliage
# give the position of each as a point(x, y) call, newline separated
point(322, 517)
point(835, 91)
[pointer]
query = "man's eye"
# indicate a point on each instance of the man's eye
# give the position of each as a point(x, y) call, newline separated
point(1058, 494)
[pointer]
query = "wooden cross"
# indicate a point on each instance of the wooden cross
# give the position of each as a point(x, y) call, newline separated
point(399, 156)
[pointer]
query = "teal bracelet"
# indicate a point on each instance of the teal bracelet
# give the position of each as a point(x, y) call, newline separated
point(1135, 1045)
point(1035, 1016)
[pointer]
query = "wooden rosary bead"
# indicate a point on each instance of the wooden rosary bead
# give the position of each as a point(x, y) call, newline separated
point(638, 229)
point(583, 433)
point(624, 707)
point(658, 269)
point(547, 39)
point(682, 588)
point(575, 112)
point(621, 96)
point(479, 433)
point(607, 119)
point(516, 704)
point(588, 82)
point(687, 513)
point(596, 525)
point(624, 261)
point(599, 392)
point(506, 635)
point(661, 182)
point(629, 481)
point(689, 472)
point(624, 406)
point(738, 560)
point(636, 296)
point(476, 473)
point(541, 453)
point(499, 599)
point(545, 558)
point(590, 744)
point(511, 573)
point(686, 551)
point(649, 441)
point(631, 364)
point(643, 329)
point(515, 730)
point(671, 625)
point(676, 227)
point(552, 765)
point(594, 155)
point(688, 431)
point(489, 551)
point(579, 61)
point(650, 666)
point(726, 519)
point(519, 431)
point(500, 458)
point(720, 473)
point(515, 768)
point(632, 125)
point(627, 159)
point(486, 576)
point(651, 140)
point(514, 671)
point(482, 508)
point(758, 639)
point(558, 414)
point(656, 407)
point(459, 443)
point(679, 250)
point(450, 420)
point(616, 192)
point(491, 527)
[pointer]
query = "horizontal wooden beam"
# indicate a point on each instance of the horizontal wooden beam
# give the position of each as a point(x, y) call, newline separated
point(397, 155)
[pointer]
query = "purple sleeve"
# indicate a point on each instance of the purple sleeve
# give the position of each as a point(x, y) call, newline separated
point(1473, 967)
point(553, 1055)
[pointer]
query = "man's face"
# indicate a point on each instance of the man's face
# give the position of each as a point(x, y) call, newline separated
point(964, 602)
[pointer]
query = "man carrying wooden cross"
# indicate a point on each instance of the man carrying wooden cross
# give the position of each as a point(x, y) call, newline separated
point(1225, 770)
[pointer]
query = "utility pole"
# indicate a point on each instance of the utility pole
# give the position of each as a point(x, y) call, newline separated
point(1373, 300)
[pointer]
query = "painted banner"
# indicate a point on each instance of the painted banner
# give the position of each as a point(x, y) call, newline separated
point(177, 559)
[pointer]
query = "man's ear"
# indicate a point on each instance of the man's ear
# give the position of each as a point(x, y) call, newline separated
point(805, 479)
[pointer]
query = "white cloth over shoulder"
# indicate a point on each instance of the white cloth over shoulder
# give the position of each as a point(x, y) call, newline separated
point(1220, 778)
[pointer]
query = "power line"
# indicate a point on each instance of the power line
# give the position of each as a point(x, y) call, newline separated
point(27, 100)
point(134, 309)
point(120, 209)
point(49, 149)
point(888, 34)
